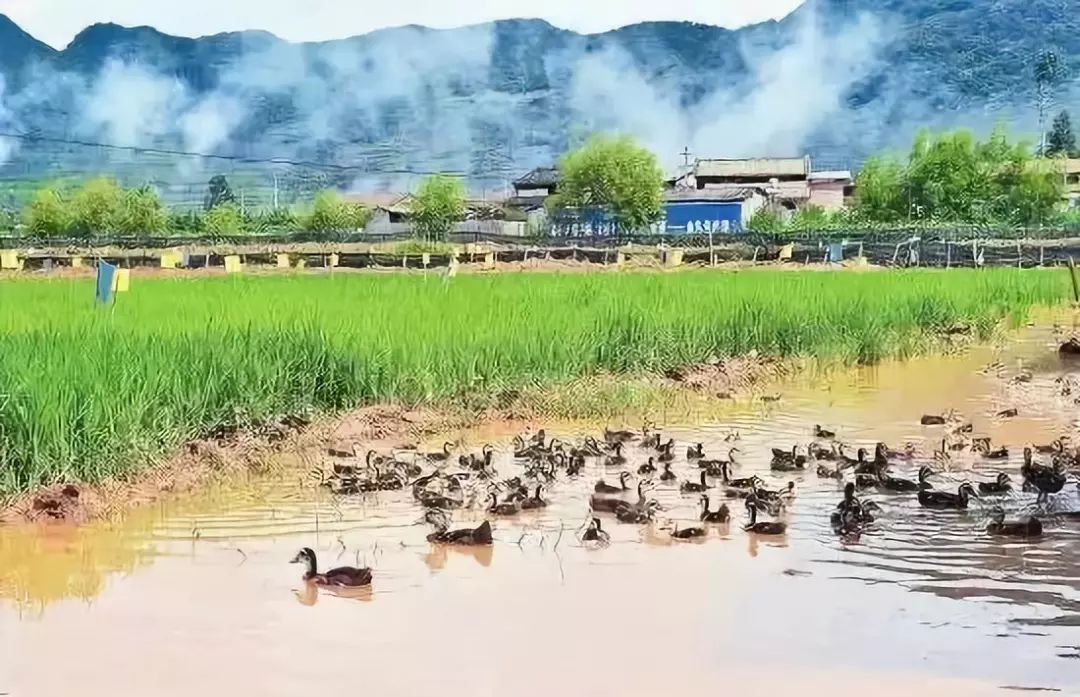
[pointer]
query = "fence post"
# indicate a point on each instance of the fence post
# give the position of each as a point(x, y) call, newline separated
point(1072, 274)
point(948, 255)
point(712, 252)
point(1019, 256)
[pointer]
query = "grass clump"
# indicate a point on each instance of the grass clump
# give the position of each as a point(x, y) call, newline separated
point(87, 393)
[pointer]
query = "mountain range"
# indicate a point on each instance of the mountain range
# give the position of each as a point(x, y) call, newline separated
point(836, 78)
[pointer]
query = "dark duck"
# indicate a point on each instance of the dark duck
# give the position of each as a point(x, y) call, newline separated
point(343, 576)
point(944, 500)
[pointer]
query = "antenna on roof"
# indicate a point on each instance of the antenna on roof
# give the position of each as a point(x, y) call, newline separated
point(686, 156)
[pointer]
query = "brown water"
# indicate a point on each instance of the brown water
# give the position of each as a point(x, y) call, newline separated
point(197, 597)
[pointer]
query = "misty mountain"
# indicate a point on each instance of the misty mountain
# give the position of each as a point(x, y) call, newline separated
point(839, 78)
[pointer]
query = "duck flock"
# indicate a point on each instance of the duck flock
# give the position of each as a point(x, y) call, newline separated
point(442, 484)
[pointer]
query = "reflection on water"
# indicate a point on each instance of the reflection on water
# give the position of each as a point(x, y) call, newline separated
point(924, 600)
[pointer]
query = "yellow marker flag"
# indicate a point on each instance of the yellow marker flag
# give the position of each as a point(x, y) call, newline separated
point(283, 261)
point(10, 260)
point(786, 251)
point(122, 281)
point(76, 262)
point(233, 264)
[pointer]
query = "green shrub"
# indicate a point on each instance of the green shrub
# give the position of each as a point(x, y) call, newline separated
point(142, 213)
point(48, 214)
point(97, 209)
point(224, 220)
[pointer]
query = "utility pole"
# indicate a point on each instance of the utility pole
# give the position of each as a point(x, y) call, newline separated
point(275, 191)
point(686, 157)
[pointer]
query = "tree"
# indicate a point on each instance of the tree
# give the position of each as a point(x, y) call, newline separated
point(1061, 140)
point(48, 214)
point(141, 212)
point(333, 214)
point(224, 220)
point(437, 205)
point(96, 208)
point(879, 190)
point(218, 192)
point(616, 174)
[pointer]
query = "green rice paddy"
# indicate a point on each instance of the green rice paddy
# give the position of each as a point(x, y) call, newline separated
point(89, 392)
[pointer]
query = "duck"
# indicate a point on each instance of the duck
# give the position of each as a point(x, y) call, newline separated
point(1045, 480)
point(1000, 485)
point(895, 484)
point(595, 533)
point(575, 465)
point(343, 576)
point(826, 473)
point(687, 533)
point(1051, 448)
point(1008, 414)
point(617, 459)
point(1001, 453)
point(667, 475)
point(651, 441)
point(694, 487)
point(589, 448)
point(633, 514)
point(743, 483)
point(603, 487)
point(906, 454)
point(695, 452)
point(763, 527)
point(479, 536)
point(508, 508)
point(715, 468)
point(865, 481)
point(850, 512)
point(535, 501)
point(820, 432)
point(667, 451)
point(613, 437)
point(925, 472)
point(442, 456)
point(785, 461)
point(1026, 527)
point(648, 468)
point(859, 461)
point(720, 515)
point(946, 500)
point(763, 495)
point(819, 453)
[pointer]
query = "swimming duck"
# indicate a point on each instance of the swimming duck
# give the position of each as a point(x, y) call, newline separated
point(651, 441)
point(687, 533)
point(895, 484)
point(466, 537)
point(603, 487)
point(933, 420)
point(614, 437)
point(694, 487)
point(594, 533)
point(589, 448)
point(826, 473)
point(748, 483)
point(1008, 414)
point(764, 495)
point(1001, 453)
point(906, 454)
point(819, 453)
point(695, 452)
point(715, 468)
point(343, 576)
point(648, 468)
point(784, 461)
point(667, 475)
point(442, 456)
point(925, 472)
point(575, 465)
point(535, 501)
point(617, 459)
point(850, 511)
point(720, 515)
point(667, 451)
point(946, 500)
point(865, 481)
point(508, 508)
point(764, 527)
point(1045, 480)
point(632, 514)
point(820, 432)
point(999, 486)
point(1026, 527)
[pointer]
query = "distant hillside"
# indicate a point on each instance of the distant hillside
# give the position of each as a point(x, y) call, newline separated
point(838, 77)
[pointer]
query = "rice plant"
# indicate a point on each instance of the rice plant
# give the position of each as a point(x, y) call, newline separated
point(90, 392)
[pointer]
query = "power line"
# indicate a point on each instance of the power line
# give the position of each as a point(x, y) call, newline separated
point(309, 164)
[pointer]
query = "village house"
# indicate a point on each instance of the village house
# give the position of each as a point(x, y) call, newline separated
point(722, 209)
point(789, 183)
point(1070, 172)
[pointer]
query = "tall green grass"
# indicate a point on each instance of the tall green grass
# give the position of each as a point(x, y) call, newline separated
point(91, 392)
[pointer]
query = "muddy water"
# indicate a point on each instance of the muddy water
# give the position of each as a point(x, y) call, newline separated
point(197, 598)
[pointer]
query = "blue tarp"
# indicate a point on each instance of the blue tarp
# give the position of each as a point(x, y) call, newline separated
point(106, 272)
point(836, 252)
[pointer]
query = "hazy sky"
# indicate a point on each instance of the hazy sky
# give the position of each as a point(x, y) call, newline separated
point(57, 21)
